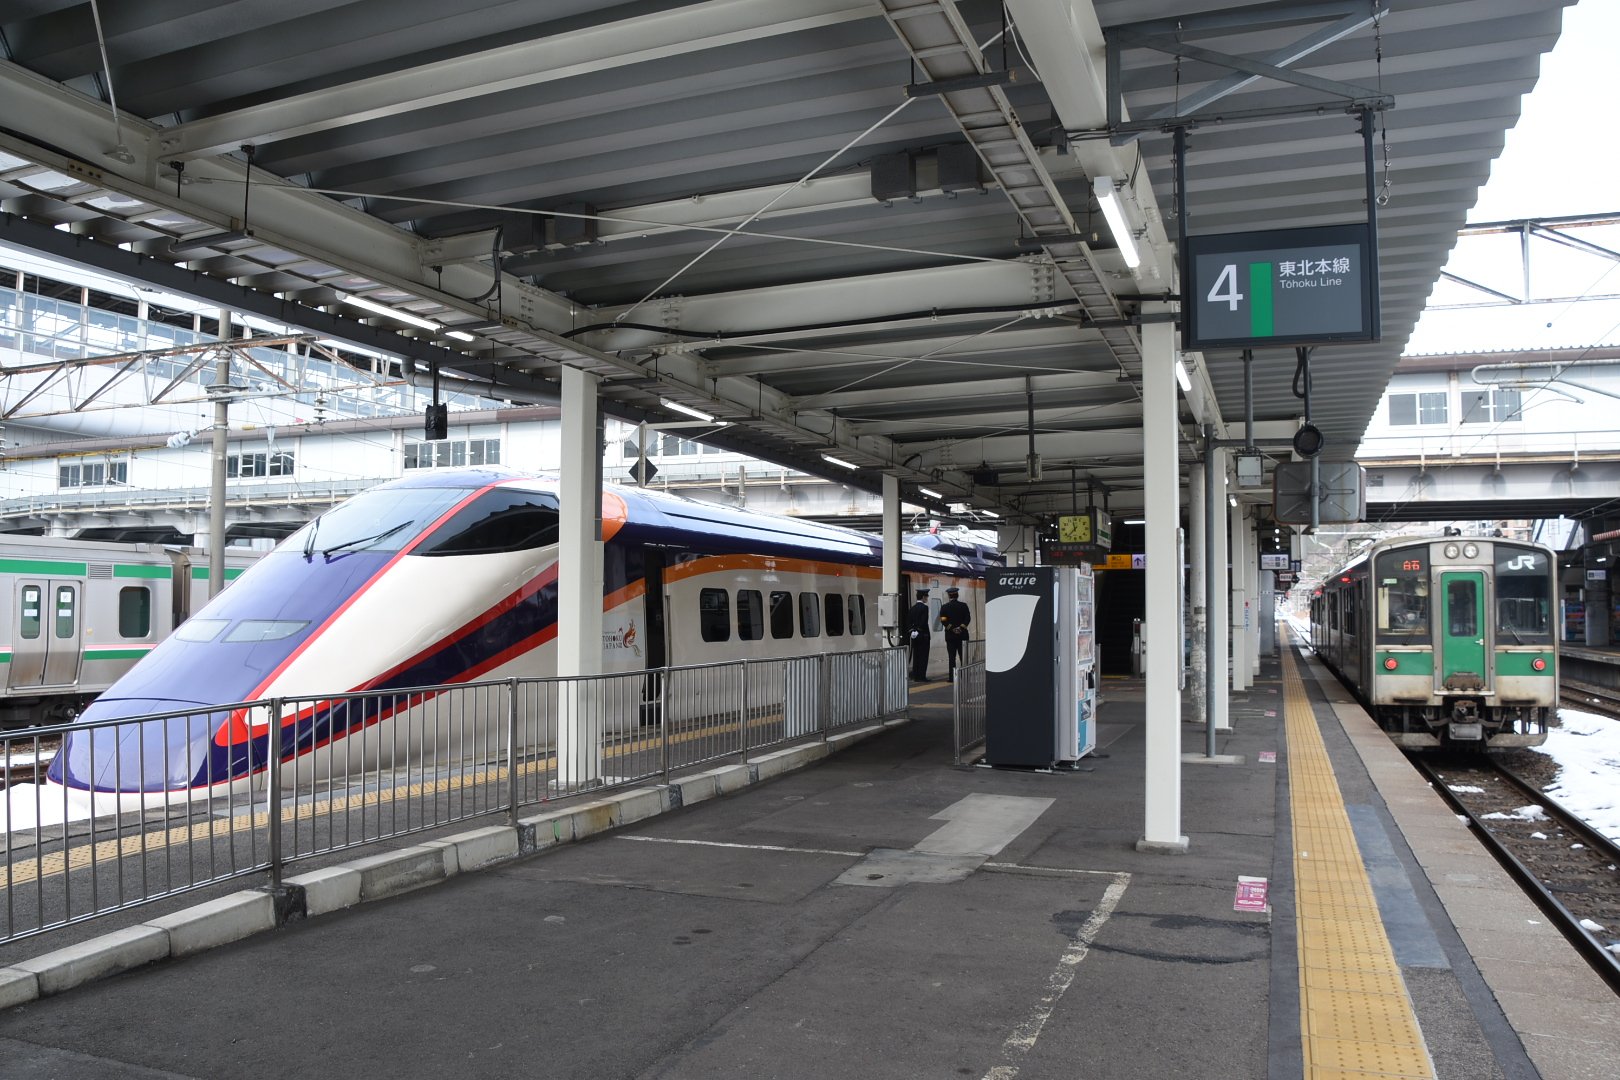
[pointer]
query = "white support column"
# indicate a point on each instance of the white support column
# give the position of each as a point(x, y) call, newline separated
point(1220, 619)
point(580, 724)
point(1196, 599)
point(1253, 591)
point(1240, 579)
point(1161, 464)
point(891, 548)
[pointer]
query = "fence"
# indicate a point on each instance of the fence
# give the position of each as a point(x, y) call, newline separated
point(182, 800)
point(967, 707)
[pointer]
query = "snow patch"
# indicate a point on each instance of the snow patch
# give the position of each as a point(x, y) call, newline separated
point(1467, 789)
point(1587, 749)
point(1523, 813)
point(1593, 926)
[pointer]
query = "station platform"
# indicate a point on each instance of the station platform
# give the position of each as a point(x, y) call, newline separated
point(885, 913)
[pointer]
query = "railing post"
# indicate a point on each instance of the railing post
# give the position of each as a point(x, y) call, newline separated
point(511, 751)
point(272, 750)
point(744, 698)
point(661, 703)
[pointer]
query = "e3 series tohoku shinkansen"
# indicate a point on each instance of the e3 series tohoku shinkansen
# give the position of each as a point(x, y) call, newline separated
point(1449, 641)
point(451, 576)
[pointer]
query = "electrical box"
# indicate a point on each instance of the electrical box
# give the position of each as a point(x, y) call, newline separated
point(889, 611)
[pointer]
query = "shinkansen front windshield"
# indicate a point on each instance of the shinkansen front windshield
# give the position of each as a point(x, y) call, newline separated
point(384, 519)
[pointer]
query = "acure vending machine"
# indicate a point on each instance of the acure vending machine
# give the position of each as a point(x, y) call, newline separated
point(1040, 666)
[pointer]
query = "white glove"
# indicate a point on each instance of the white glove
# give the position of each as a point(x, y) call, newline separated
point(914, 635)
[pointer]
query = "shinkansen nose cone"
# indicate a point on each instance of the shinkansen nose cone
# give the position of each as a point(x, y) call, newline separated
point(170, 753)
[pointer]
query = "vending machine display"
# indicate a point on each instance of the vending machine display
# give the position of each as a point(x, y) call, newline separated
point(1040, 666)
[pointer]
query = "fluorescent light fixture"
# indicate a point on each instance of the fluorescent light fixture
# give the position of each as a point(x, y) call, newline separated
point(840, 461)
point(930, 492)
point(1135, 521)
point(1182, 379)
point(393, 313)
point(686, 409)
point(990, 513)
point(1232, 499)
point(1108, 199)
point(461, 335)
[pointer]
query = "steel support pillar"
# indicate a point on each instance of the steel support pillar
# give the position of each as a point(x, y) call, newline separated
point(216, 488)
point(1240, 599)
point(580, 723)
point(1219, 617)
point(1197, 591)
point(1161, 831)
point(891, 543)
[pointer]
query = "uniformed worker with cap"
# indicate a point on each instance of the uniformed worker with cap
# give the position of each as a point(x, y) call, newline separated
point(955, 617)
point(921, 637)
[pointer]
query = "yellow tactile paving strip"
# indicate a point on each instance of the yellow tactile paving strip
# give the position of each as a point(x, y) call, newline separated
point(1355, 1019)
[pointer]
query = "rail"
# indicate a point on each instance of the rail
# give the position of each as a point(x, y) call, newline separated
point(189, 799)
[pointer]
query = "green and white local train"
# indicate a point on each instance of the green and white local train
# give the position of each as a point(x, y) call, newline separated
point(1449, 641)
point(77, 614)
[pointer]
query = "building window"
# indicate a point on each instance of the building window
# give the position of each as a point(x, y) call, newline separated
point(239, 466)
point(452, 453)
point(92, 473)
point(1491, 406)
point(1428, 407)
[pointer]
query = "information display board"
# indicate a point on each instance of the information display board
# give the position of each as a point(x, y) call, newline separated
point(1281, 287)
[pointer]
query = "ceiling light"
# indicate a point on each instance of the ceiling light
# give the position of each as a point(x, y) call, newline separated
point(839, 461)
point(1135, 521)
point(930, 492)
point(990, 513)
point(393, 313)
point(1108, 199)
point(461, 335)
point(1181, 377)
point(686, 409)
point(1232, 499)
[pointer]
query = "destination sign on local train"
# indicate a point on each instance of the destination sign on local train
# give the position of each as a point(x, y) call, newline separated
point(1282, 287)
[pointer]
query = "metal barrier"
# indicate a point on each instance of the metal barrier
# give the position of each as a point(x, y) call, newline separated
point(182, 800)
point(967, 707)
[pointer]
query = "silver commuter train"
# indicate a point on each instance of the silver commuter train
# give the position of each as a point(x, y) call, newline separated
point(78, 614)
point(1449, 641)
point(450, 576)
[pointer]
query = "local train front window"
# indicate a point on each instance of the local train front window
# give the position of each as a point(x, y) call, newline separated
point(1402, 597)
point(1523, 597)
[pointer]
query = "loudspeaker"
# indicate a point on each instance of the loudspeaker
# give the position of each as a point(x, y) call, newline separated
point(437, 422)
point(894, 176)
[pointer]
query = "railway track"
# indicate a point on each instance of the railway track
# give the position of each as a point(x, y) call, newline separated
point(1591, 698)
point(1571, 871)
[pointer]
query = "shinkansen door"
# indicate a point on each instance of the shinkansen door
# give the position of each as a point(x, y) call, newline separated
point(46, 633)
point(1462, 629)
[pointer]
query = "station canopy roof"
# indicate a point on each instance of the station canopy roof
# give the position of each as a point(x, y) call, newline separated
point(863, 229)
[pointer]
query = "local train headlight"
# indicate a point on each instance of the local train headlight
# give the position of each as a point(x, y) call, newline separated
point(1390, 663)
point(1470, 551)
point(1451, 551)
point(1538, 664)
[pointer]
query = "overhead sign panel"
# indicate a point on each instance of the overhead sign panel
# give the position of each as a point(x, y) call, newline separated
point(1340, 493)
point(1282, 287)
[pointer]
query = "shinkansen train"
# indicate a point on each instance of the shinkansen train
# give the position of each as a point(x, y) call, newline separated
point(450, 576)
point(78, 614)
point(1449, 642)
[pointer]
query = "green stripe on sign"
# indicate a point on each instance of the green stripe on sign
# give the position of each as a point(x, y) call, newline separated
point(131, 570)
point(43, 568)
point(1261, 321)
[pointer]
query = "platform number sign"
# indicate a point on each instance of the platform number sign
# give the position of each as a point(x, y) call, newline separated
point(1280, 288)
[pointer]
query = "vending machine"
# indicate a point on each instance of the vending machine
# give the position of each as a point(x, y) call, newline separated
point(1040, 666)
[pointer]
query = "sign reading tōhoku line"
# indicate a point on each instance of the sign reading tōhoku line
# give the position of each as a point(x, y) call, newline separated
point(1280, 288)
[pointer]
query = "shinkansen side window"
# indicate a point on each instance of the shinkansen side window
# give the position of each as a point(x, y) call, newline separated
point(781, 615)
point(714, 614)
point(67, 617)
point(28, 624)
point(857, 614)
point(809, 614)
point(134, 611)
point(1523, 597)
point(835, 614)
point(1401, 597)
point(499, 520)
point(750, 615)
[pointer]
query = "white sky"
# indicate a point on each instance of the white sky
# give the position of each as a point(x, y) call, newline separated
point(1561, 159)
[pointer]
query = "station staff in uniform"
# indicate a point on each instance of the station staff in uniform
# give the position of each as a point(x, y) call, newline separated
point(954, 616)
point(921, 637)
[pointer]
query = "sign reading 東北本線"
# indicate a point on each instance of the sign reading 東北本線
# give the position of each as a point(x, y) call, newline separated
point(1282, 287)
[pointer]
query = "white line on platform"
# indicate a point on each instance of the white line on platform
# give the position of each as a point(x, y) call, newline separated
point(1022, 1040)
point(745, 847)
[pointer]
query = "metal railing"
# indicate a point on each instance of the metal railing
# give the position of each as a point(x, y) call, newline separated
point(183, 800)
point(968, 708)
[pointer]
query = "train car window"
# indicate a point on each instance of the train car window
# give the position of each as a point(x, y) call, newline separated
point(1401, 597)
point(750, 615)
point(714, 614)
point(857, 614)
point(66, 615)
point(1462, 604)
point(134, 611)
point(499, 520)
point(781, 615)
point(835, 614)
point(1523, 597)
point(28, 625)
point(199, 629)
point(809, 614)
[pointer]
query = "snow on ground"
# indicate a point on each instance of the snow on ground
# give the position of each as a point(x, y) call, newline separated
point(1587, 749)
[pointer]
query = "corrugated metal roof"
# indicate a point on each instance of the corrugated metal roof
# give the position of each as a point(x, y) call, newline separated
point(619, 150)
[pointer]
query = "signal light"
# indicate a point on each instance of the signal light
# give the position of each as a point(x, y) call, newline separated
point(1390, 663)
point(1539, 664)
